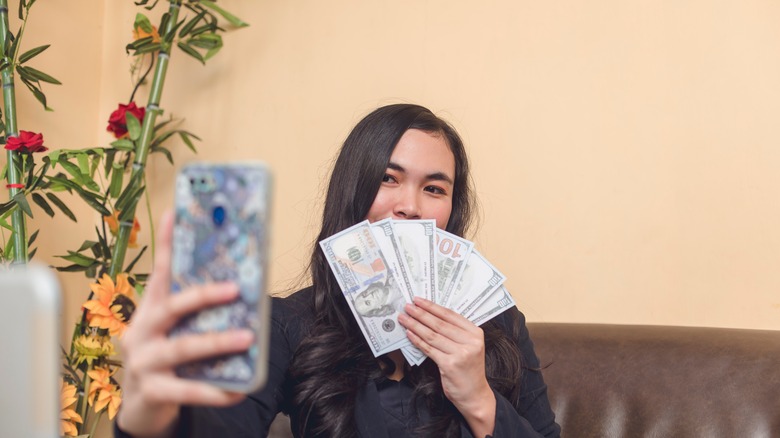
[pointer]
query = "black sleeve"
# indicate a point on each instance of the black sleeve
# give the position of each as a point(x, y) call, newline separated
point(534, 416)
point(253, 416)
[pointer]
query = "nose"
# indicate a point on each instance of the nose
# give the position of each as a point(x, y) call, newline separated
point(407, 205)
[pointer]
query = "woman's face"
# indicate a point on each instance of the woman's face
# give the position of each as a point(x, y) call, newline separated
point(418, 181)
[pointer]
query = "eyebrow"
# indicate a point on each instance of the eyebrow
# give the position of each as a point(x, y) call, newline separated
point(436, 176)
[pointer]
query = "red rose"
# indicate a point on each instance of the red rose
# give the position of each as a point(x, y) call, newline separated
point(117, 123)
point(27, 142)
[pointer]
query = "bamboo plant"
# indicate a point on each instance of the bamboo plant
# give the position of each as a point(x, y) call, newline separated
point(110, 179)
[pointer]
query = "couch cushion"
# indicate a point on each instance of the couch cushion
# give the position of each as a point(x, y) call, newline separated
point(660, 381)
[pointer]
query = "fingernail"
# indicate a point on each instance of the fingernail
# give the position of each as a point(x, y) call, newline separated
point(420, 300)
point(244, 337)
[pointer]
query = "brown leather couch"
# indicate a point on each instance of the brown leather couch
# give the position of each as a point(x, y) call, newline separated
point(660, 381)
point(656, 381)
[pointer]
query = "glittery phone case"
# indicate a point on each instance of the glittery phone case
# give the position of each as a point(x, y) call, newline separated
point(221, 234)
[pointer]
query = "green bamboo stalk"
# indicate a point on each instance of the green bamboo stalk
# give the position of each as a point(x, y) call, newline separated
point(142, 148)
point(18, 221)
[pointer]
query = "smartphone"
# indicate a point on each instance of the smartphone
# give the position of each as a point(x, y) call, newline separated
point(221, 234)
point(30, 309)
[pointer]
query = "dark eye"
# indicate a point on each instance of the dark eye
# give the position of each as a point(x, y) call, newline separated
point(388, 178)
point(435, 190)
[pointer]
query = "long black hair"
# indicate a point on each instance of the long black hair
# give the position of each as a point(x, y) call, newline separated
point(334, 362)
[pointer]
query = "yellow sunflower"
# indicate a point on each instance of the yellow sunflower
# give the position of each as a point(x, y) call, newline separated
point(103, 393)
point(112, 306)
point(89, 348)
point(68, 416)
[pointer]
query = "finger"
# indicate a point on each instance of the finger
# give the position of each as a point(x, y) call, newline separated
point(434, 332)
point(444, 313)
point(170, 309)
point(162, 389)
point(160, 281)
point(167, 353)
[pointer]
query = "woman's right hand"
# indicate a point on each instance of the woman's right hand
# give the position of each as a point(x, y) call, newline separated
point(152, 392)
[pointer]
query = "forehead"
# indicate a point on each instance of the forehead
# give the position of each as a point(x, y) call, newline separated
point(425, 152)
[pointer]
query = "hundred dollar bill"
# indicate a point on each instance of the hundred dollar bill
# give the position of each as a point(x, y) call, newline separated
point(384, 233)
point(418, 244)
point(499, 301)
point(478, 281)
point(371, 292)
point(451, 255)
point(413, 355)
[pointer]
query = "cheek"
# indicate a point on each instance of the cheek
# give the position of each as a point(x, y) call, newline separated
point(380, 208)
point(441, 212)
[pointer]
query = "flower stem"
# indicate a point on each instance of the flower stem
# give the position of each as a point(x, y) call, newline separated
point(142, 146)
point(18, 222)
point(94, 424)
point(85, 395)
point(151, 219)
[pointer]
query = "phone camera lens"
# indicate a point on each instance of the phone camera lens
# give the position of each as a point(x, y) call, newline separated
point(218, 215)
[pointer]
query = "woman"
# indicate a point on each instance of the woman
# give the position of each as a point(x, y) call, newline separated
point(400, 161)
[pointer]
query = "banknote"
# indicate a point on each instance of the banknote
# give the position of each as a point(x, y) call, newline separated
point(451, 254)
point(384, 233)
point(418, 241)
point(499, 301)
point(478, 281)
point(413, 355)
point(368, 285)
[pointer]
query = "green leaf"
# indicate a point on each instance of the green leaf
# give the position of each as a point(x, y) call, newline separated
point(235, 21)
point(38, 199)
point(37, 181)
point(83, 161)
point(4, 223)
point(109, 163)
point(192, 52)
point(61, 205)
point(190, 24)
point(88, 244)
point(79, 259)
point(185, 137)
point(21, 200)
point(142, 22)
point(123, 144)
point(54, 156)
point(73, 170)
point(133, 126)
point(135, 260)
point(117, 174)
point(127, 194)
point(7, 207)
point(103, 243)
point(32, 238)
point(71, 268)
point(31, 254)
point(94, 202)
point(90, 273)
point(162, 138)
point(148, 48)
point(30, 54)
point(36, 92)
point(38, 75)
point(165, 152)
point(62, 180)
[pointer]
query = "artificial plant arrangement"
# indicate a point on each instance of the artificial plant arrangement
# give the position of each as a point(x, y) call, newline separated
point(111, 180)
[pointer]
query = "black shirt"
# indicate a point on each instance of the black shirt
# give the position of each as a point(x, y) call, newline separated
point(375, 403)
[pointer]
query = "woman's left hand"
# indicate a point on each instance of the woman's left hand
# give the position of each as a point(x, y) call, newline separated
point(458, 348)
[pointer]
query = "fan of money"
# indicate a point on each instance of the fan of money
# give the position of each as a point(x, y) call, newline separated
point(381, 266)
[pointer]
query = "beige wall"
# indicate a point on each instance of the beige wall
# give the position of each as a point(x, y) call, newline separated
point(626, 154)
